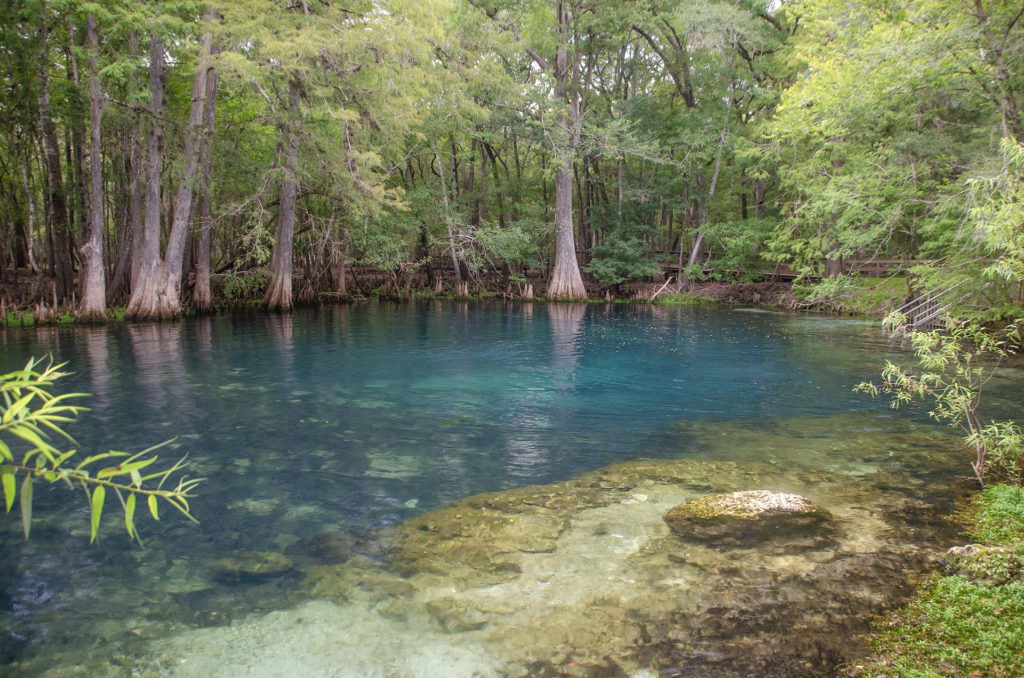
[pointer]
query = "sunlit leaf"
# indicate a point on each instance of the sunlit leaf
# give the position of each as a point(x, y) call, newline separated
point(26, 505)
point(98, 495)
point(129, 515)
point(13, 411)
point(7, 476)
point(154, 507)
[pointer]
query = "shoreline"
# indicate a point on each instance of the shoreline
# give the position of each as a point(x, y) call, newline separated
point(766, 294)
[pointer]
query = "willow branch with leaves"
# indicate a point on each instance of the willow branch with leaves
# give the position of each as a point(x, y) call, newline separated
point(31, 416)
point(953, 367)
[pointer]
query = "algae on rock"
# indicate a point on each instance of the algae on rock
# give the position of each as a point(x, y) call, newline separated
point(747, 518)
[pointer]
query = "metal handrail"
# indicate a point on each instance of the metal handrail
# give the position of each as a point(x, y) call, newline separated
point(926, 298)
point(925, 310)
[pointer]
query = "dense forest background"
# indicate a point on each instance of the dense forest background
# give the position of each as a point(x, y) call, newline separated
point(161, 154)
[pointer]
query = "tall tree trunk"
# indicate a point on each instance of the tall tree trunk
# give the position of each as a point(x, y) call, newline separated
point(201, 297)
point(566, 281)
point(77, 159)
point(131, 209)
point(60, 231)
point(279, 292)
point(93, 307)
point(144, 284)
point(448, 221)
point(182, 221)
point(341, 274)
point(697, 252)
point(136, 154)
point(158, 296)
point(31, 218)
point(18, 245)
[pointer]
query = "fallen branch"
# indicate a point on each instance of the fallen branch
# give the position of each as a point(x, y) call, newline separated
point(662, 289)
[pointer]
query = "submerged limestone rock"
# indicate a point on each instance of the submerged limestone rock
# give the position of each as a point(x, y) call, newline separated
point(251, 565)
point(456, 615)
point(747, 518)
point(323, 547)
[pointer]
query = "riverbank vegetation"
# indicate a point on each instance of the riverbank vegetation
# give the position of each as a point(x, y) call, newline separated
point(164, 156)
point(967, 620)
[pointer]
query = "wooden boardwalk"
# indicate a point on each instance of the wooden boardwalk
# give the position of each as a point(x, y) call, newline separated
point(871, 268)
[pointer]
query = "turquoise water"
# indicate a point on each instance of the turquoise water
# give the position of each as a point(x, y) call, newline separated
point(355, 418)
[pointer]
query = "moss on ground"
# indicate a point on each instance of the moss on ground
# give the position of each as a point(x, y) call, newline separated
point(682, 299)
point(963, 623)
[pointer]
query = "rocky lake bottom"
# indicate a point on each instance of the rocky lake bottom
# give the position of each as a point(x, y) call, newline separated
point(577, 578)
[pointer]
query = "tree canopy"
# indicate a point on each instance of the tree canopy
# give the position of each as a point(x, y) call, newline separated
point(151, 152)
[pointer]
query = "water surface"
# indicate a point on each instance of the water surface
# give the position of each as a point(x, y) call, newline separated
point(352, 419)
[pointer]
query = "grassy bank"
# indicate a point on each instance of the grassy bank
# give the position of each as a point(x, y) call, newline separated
point(968, 621)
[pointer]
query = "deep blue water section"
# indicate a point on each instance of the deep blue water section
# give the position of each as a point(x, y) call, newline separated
point(374, 412)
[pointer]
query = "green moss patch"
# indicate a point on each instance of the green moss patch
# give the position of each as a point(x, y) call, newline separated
point(969, 622)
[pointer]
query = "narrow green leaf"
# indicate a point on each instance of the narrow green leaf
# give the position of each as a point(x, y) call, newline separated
point(17, 407)
point(130, 466)
point(26, 505)
point(106, 455)
point(7, 475)
point(98, 495)
point(33, 438)
point(109, 471)
point(154, 507)
point(129, 515)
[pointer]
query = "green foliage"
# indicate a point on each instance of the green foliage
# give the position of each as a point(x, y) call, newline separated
point(963, 624)
point(618, 259)
point(999, 214)
point(682, 299)
point(827, 290)
point(953, 366)
point(854, 294)
point(737, 247)
point(242, 286)
point(874, 296)
point(958, 628)
point(1000, 516)
point(19, 319)
point(30, 415)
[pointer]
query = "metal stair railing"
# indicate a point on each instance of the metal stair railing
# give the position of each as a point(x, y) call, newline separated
point(926, 312)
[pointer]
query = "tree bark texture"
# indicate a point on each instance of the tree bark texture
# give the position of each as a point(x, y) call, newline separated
point(61, 244)
point(93, 307)
point(201, 296)
point(158, 294)
point(143, 302)
point(279, 292)
point(566, 281)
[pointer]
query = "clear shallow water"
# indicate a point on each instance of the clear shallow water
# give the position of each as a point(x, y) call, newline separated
point(357, 418)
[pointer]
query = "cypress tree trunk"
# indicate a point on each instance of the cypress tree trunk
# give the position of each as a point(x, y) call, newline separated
point(143, 302)
point(158, 296)
point(93, 307)
point(201, 296)
point(60, 234)
point(566, 281)
point(279, 293)
point(138, 175)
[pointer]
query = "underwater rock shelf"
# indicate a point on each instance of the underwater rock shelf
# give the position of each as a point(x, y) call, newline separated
point(613, 573)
